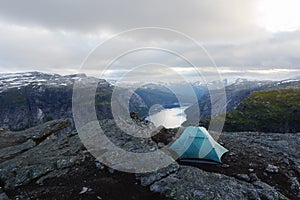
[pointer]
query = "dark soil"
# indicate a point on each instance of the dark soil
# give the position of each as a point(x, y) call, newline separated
point(104, 185)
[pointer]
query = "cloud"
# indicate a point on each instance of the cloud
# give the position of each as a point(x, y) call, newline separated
point(282, 50)
point(27, 49)
point(204, 20)
point(57, 36)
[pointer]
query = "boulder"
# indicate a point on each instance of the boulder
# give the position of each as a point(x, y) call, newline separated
point(53, 152)
point(149, 178)
point(243, 177)
point(272, 169)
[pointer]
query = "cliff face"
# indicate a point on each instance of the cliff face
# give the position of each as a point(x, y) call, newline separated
point(256, 106)
point(235, 94)
point(267, 111)
point(26, 107)
point(270, 109)
point(28, 99)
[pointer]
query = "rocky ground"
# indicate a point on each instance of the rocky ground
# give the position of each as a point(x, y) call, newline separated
point(84, 181)
point(50, 162)
point(266, 157)
point(267, 164)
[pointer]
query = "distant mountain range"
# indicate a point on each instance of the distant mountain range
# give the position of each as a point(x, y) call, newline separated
point(267, 106)
point(235, 94)
point(28, 99)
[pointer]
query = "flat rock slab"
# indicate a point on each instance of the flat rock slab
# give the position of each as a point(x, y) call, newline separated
point(193, 183)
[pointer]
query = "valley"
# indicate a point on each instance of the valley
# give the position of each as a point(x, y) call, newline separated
point(41, 151)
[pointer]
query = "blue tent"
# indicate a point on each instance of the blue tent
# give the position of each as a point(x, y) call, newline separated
point(196, 142)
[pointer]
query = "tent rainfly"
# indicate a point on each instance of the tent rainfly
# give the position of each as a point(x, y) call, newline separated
point(196, 142)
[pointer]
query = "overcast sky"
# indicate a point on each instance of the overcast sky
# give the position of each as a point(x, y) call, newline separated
point(258, 39)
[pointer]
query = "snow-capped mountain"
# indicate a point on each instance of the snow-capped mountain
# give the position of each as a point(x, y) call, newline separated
point(28, 99)
point(18, 80)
